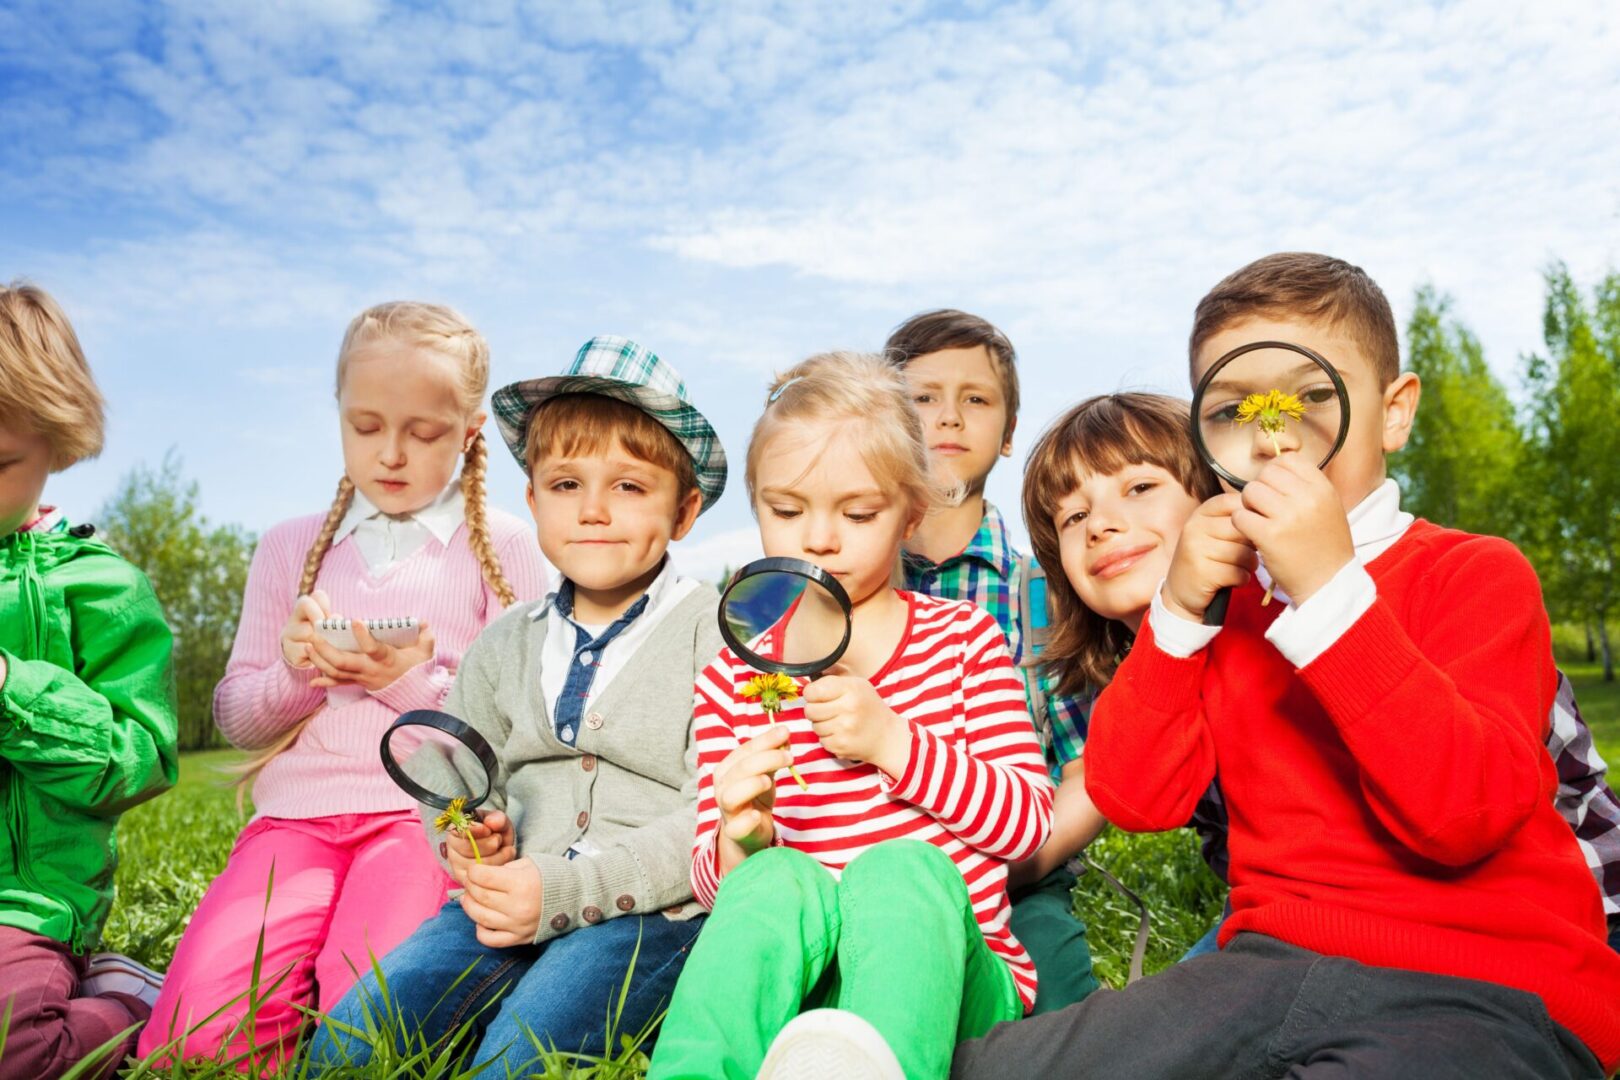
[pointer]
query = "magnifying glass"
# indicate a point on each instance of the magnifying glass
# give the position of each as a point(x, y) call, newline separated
point(788, 619)
point(442, 762)
point(1262, 400)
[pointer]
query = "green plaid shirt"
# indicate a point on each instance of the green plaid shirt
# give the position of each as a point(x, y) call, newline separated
point(989, 572)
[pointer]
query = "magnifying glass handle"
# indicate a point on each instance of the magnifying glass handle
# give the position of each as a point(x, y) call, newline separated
point(1215, 613)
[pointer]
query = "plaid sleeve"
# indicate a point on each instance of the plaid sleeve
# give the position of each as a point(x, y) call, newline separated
point(1070, 717)
point(1584, 797)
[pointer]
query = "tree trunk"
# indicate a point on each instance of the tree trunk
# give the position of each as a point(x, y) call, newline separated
point(1608, 652)
point(1591, 644)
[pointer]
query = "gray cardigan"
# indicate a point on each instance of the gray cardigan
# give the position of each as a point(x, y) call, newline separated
point(630, 785)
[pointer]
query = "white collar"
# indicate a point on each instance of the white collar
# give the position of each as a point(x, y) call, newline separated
point(1378, 521)
point(441, 517)
point(655, 594)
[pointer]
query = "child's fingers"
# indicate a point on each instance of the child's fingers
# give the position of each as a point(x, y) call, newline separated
point(738, 796)
point(369, 645)
point(499, 939)
point(760, 763)
point(482, 914)
point(745, 826)
point(818, 711)
point(322, 601)
point(340, 660)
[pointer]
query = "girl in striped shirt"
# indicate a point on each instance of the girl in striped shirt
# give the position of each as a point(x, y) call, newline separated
point(338, 846)
point(876, 895)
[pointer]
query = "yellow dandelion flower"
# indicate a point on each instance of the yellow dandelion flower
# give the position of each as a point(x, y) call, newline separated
point(772, 689)
point(456, 816)
point(1273, 409)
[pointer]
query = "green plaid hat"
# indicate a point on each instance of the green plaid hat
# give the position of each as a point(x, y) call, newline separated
point(617, 367)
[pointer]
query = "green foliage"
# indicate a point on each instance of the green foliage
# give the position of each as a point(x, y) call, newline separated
point(1574, 399)
point(198, 571)
point(1183, 896)
point(1460, 466)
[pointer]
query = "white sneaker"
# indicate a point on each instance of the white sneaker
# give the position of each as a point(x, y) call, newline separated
point(830, 1044)
point(111, 972)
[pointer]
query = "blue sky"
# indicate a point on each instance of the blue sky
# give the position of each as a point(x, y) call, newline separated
point(214, 190)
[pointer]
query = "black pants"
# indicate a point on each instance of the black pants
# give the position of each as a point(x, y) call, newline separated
point(1263, 1008)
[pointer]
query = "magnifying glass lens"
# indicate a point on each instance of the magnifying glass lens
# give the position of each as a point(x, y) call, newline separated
point(439, 764)
point(784, 619)
point(1265, 403)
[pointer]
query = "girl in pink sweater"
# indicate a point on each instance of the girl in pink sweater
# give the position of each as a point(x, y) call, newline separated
point(352, 875)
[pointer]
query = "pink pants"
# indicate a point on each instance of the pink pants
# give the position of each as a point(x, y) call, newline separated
point(346, 888)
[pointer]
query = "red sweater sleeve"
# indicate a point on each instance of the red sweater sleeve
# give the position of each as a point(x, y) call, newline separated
point(1448, 727)
point(1149, 753)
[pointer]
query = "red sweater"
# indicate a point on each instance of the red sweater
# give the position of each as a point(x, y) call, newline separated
point(1392, 802)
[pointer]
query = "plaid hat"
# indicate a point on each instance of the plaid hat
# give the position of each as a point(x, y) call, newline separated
point(617, 367)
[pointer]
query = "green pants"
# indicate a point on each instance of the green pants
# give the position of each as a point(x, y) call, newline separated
point(1043, 920)
point(894, 942)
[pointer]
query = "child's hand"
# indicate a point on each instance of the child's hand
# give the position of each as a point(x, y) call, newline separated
point(1292, 513)
point(494, 837)
point(1211, 555)
point(299, 631)
point(852, 722)
point(374, 665)
point(745, 791)
point(505, 902)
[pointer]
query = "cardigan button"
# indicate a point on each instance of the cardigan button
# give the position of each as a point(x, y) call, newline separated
point(588, 762)
point(594, 721)
point(625, 902)
point(592, 914)
point(582, 819)
point(559, 922)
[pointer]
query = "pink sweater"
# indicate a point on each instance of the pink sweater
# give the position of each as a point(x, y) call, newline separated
point(334, 766)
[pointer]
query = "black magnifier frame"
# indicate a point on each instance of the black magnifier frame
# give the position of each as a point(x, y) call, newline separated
point(1215, 614)
point(1243, 350)
point(457, 729)
point(799, 568)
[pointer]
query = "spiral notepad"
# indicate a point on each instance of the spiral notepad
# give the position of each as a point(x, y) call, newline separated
point(400, 633)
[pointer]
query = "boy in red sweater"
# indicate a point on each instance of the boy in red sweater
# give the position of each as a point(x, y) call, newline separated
point(1406, 900)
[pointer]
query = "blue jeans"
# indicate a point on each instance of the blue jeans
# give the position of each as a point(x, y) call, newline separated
point(559, 993)
point(1206, 944)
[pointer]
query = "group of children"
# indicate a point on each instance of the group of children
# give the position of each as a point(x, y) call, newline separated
point(872, 876)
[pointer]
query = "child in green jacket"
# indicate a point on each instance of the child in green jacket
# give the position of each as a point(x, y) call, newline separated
point(87, 717)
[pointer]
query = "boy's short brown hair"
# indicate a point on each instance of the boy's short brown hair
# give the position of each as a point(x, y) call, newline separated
point(585, 424)
point(948, 328)
point(1102, 434)
point(1308, 286)
point(45, 383)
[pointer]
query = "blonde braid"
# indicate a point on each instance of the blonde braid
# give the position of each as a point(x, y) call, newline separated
point(323, 542)
point(472, 497)
point(246, 771)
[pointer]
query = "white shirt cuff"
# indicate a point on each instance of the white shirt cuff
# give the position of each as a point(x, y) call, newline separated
point(1304, 632)
point(1179, 637)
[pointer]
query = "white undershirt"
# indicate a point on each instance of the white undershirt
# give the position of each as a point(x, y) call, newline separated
point(385, 540)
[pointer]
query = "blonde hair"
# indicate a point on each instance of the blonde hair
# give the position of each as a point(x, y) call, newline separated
point(444, 331)
point(1099, 436)
point(870, 400)
point(45, 383)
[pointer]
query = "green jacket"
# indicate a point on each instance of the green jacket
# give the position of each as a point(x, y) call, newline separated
point(87, 725)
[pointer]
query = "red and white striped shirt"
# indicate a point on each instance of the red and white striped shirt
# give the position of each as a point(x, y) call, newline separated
point(976, 785)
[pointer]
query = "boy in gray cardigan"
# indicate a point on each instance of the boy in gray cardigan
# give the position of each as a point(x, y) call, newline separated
point(586, 697)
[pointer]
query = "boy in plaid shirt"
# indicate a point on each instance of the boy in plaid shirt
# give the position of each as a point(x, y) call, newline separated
point(965, 386)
